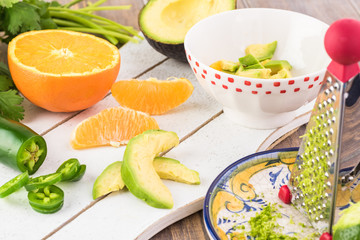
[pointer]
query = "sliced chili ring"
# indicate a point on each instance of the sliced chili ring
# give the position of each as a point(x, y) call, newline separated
point(43, 181)
point(14, 184)
point(79, 174)
point(69, 169)
point(46, 200)
point(47, 211)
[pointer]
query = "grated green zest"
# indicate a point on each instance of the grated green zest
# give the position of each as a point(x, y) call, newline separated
point(264, 224)
point(313, 181)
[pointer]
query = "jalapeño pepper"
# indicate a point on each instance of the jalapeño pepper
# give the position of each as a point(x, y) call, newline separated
point(20, 147)
point(49, 199)
point(43, 181)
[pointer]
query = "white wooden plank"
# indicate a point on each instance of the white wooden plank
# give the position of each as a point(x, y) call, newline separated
point(198, 109)
point(135, 59)
point(209, 151)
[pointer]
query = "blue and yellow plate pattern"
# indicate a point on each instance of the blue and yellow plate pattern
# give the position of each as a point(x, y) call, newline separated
point(245, 188)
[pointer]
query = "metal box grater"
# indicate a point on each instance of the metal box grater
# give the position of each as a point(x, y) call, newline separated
point(325, 177)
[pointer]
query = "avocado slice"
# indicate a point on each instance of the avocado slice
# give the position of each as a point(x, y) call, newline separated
point(248, 60)
point(216, 65)
point(277, 65)
point(262, 51)
point(165, 23)
point(255, 73)
point(225, 66)
point(255, 66)
point(109, 180)
point(171, 169)
point(138, 171)
point(229, 65)
point(283, 73)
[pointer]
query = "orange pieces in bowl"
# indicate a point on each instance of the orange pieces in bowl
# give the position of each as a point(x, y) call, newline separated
point(152, 96)
point(63, 71)
point(111, 127)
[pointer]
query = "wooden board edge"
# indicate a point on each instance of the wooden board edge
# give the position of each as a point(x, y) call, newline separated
point(169, 219)
point(281, 133)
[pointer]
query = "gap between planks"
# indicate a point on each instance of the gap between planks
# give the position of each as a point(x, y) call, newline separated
point(103, 197)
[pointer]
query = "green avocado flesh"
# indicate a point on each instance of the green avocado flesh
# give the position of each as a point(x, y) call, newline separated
point(168, 21)
point(108, 181)
point(171, 169)
point(257, 63)
point(262, 51)
point(348, 225)
point(138, 171)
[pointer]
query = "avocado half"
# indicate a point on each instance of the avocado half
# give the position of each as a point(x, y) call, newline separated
point(165, 23)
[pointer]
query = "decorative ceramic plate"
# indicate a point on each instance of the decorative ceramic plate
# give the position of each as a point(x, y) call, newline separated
point(245, 188)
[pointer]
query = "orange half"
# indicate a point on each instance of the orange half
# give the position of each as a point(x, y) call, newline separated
point(63, 71)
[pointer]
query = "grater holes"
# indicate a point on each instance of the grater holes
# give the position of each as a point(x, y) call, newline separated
point(329, 79)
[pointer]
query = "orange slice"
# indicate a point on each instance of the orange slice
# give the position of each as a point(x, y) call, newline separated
point(111, 127)
point(152, 96)
point(63, 71)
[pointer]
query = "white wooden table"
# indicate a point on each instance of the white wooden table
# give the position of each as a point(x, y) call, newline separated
point(209, 143)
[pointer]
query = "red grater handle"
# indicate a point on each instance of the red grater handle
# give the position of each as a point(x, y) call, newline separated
point(342, 43)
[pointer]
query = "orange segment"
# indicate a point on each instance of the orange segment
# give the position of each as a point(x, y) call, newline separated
point(112, 126)
point(152, 96)
point(63, 71)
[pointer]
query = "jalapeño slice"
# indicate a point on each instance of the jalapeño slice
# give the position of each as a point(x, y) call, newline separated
point(79, 174)
point(49, 199)
point(14, 184)
point(43, 181)
point(69, 169)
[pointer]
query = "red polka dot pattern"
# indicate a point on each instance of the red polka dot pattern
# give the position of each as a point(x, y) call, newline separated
point(252, 85)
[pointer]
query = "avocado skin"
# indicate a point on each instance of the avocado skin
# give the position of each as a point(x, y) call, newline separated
point(175, 51)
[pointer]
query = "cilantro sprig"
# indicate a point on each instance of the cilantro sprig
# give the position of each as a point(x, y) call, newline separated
point(21, 16)
point(10, 99)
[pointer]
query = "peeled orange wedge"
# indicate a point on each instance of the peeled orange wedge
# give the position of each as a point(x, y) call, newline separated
point(111, 127)
point(63, 71)
point(152, 96)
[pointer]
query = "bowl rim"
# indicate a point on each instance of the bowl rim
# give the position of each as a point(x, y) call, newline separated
point(255, 80)
point(206, 207)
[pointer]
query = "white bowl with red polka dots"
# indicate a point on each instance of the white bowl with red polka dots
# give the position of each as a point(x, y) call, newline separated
point(252, 102)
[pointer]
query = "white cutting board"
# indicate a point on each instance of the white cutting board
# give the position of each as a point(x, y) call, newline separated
point(210, 143)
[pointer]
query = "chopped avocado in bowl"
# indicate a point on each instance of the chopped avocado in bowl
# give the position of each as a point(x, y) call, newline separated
point(257, 63)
